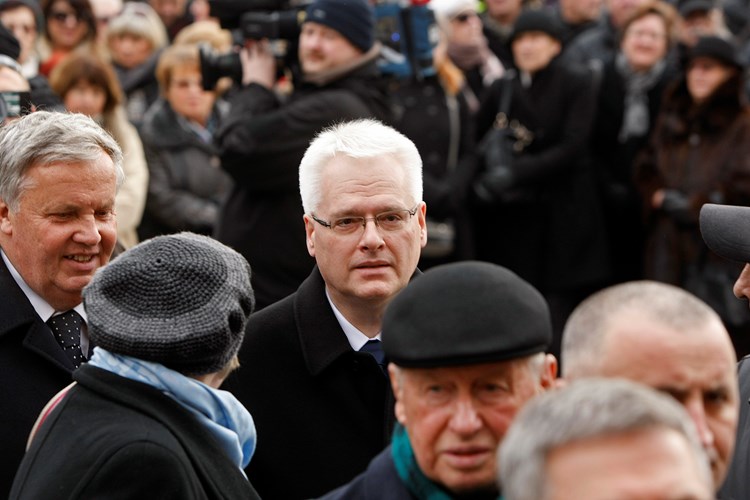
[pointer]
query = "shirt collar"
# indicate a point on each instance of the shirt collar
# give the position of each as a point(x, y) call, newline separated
point(356, 338)
point(42, 308)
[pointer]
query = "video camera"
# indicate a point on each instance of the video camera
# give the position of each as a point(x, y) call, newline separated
point(407, 32)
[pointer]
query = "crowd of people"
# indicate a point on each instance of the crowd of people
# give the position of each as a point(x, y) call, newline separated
point(559, 199)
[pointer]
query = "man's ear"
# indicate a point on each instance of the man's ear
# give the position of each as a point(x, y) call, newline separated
point(549, 372)
point(396, 384)
point(6, 223)
point(310, 234)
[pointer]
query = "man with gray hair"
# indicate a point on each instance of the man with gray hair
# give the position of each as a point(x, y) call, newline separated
point(324, 408)
point(59, 174)
point(667, 339)
point(600, 439)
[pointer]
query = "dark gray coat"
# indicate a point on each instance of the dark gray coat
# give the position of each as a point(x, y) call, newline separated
point(186, 183)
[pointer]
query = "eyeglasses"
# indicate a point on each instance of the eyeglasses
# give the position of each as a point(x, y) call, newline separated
point(62, 17)
point(392, 221)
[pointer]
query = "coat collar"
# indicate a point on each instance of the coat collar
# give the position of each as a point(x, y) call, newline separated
point(320, 334)
point(17, 313)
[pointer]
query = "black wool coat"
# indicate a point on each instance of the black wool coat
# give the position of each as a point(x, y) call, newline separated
point(112, 437)
point(551, 232)
point(33, 368)
point(321, 409)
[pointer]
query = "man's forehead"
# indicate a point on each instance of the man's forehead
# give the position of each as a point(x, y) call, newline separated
point(648, 351)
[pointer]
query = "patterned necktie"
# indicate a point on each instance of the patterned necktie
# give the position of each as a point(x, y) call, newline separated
point(375, 349)
point(67, 330)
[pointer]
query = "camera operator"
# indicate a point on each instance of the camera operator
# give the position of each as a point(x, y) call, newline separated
point(264, 137)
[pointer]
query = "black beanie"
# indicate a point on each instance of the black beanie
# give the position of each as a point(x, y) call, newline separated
point(354, 19)
point(537, 20)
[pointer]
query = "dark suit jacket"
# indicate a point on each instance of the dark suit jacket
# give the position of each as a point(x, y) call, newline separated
point(33, 368)
point(321, 409)
point(111, 437)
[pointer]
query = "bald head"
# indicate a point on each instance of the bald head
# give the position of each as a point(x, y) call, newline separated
point(668, 339)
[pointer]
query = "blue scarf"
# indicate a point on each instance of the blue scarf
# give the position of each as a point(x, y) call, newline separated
point(219, 411)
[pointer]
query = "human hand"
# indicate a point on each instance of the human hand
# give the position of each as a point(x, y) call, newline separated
point(258, 63)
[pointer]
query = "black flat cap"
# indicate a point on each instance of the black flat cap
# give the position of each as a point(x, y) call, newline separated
point(726, 230)
point(716, 48)
point(465, 313)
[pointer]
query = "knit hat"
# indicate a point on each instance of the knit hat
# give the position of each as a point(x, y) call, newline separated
point(465, 313)
point(537, 20)
point(180, 300)
point(354, 19)
point(716, 48)
point(726, 230)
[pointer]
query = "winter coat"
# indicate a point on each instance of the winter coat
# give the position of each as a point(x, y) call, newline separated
point(614, 169)
point(33, 367)
point(551, 232)
point(186, 184)
point(321, 409)
point(442, 129)
point(701, 152)
point(262, 143)
point(112, 437)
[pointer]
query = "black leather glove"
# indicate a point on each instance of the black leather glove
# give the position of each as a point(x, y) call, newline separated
point(493, 183)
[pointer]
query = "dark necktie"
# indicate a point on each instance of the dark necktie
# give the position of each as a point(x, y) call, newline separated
point(375, 349)
point(67, 330)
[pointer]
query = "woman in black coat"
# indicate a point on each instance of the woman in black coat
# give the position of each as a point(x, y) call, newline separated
point(539, 214)
point(629, 98)
point(186, 184)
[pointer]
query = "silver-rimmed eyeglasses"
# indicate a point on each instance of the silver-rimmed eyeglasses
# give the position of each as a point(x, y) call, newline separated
point(393, 220)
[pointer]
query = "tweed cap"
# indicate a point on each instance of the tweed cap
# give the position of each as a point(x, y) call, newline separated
point(726, 230)
point(465, 313)
point(354, 19)
point(180, 300)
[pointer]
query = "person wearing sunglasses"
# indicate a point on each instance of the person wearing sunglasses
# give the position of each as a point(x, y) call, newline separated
point(69, 24)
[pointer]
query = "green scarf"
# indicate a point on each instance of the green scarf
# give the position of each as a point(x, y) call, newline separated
point(408, 470)
point(419, 485)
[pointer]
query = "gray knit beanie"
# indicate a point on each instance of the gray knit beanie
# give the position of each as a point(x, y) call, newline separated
point(180, 300)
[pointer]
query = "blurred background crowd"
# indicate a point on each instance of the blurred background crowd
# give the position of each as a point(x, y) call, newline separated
point(623, 117)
